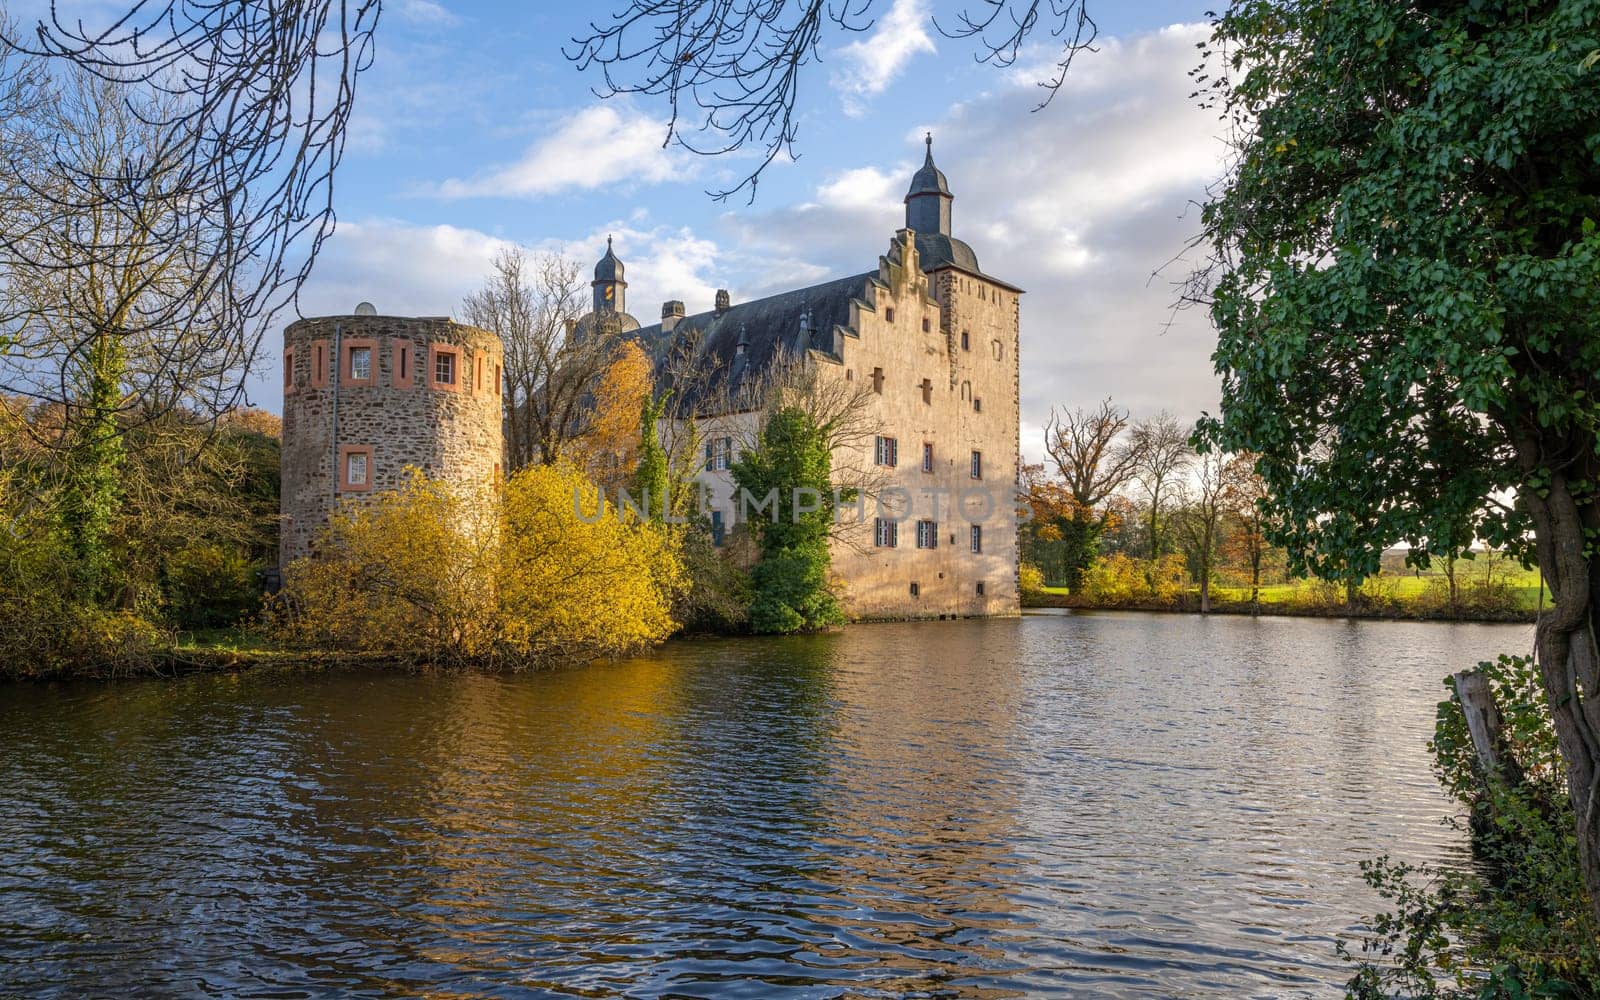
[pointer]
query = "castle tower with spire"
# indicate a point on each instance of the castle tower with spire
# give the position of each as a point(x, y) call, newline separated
point(610, 299)
point(610, 290)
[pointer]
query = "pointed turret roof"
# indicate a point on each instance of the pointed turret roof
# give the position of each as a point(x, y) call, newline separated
point(930, 179)
point(609, 268)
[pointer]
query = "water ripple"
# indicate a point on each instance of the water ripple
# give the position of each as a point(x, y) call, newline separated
point(1080, 805)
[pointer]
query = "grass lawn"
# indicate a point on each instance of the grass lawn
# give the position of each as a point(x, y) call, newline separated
point(1400, 588)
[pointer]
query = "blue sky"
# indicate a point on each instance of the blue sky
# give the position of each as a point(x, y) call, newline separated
point(472, 129)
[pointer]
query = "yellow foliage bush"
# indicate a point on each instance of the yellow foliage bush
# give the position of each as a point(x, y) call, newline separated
point(1118, 578)
point(1113, 579)
point(569, 588)
point(1030, 579)
point(431, 573)
point(408, 573)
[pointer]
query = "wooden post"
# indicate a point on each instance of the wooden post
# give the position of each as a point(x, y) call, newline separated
point(1484, 726)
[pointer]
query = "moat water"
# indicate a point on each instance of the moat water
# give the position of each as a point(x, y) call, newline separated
point(1105, 805)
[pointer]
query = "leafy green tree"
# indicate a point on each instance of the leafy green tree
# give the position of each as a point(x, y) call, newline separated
point(789, 473)
point(651, 477)
point(1406, 286)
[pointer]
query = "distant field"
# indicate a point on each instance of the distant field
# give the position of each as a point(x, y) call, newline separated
point(1525, 587)
point(1408, 588)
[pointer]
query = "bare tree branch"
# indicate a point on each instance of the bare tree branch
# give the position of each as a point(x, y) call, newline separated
point(730, 70)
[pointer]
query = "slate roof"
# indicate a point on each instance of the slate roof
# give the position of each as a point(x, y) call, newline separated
point(930, 179)
point(938, 250)
point(766, 327)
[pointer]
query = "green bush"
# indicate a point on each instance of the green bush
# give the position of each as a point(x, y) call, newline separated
point(1515, 925)
point(210, 585)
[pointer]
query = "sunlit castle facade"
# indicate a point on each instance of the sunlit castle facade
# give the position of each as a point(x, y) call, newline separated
point(933, 341)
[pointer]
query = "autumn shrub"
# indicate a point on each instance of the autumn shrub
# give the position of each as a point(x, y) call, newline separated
point(407, 574)
point(1114, 579)
point(1168, 578)
point(571, 587)
point(1030, 580)
point(532, 573)
point(1515, 924)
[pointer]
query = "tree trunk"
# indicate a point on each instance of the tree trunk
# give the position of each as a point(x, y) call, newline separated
point(1455, 588)
point(1484, 726)
point(1255, 582)
point(1205, 573)
point(1565, 641)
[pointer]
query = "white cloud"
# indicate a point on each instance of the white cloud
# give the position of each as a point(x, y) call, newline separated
point(427, 13)
point(1080, 204)
point(873, 62)
point(600, 145)
point(403, 269)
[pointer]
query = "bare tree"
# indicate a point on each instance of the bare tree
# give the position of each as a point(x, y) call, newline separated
point(1244, 497)
point(241, 109)
point(552, 365)
point(81, 288)
point(730, 70)
point(1206, 496)
point(1083, 445)
point(1162, 446)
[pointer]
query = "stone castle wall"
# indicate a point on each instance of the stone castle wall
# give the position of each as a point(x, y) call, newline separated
point(958, 399)
point(927, 387)
point(337, 425)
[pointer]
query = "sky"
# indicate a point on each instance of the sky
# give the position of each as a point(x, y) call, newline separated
point(472, 130)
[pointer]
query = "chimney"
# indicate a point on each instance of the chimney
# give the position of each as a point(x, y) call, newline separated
point(722, 301)
point(671, 313)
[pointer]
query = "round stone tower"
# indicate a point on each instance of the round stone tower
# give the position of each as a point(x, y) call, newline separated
point(365, 396)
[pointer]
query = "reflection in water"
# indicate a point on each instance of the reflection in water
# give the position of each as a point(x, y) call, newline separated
point(1108, 805)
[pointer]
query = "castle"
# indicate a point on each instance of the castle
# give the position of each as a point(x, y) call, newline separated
point(928, 340)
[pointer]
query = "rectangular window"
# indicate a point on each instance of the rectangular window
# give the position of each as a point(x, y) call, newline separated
point(288, 370)
point(927, 391)
point(446, 364)
point(888, 315)
point(980, 588)
point(966, 341)
point(977, 538)
point(885, 533)
point(927, 324)
point(360, 364)
point(977, 465)
point(927, 457)
point(355, 468)
point(887, 451)
point(977, 404)
point(719, 454)
point(916, 589)
point(499, 381)
point(927, 534)
point(718, 531)
point(877, 380)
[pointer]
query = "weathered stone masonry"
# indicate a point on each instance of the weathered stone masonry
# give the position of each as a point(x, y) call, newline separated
point(346, 436)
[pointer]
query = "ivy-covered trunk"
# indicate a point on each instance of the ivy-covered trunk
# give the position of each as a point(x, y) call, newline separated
point(93, 485)
point(1564, 521)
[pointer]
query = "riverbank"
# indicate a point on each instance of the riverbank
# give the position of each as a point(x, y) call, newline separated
point(1366, 608)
